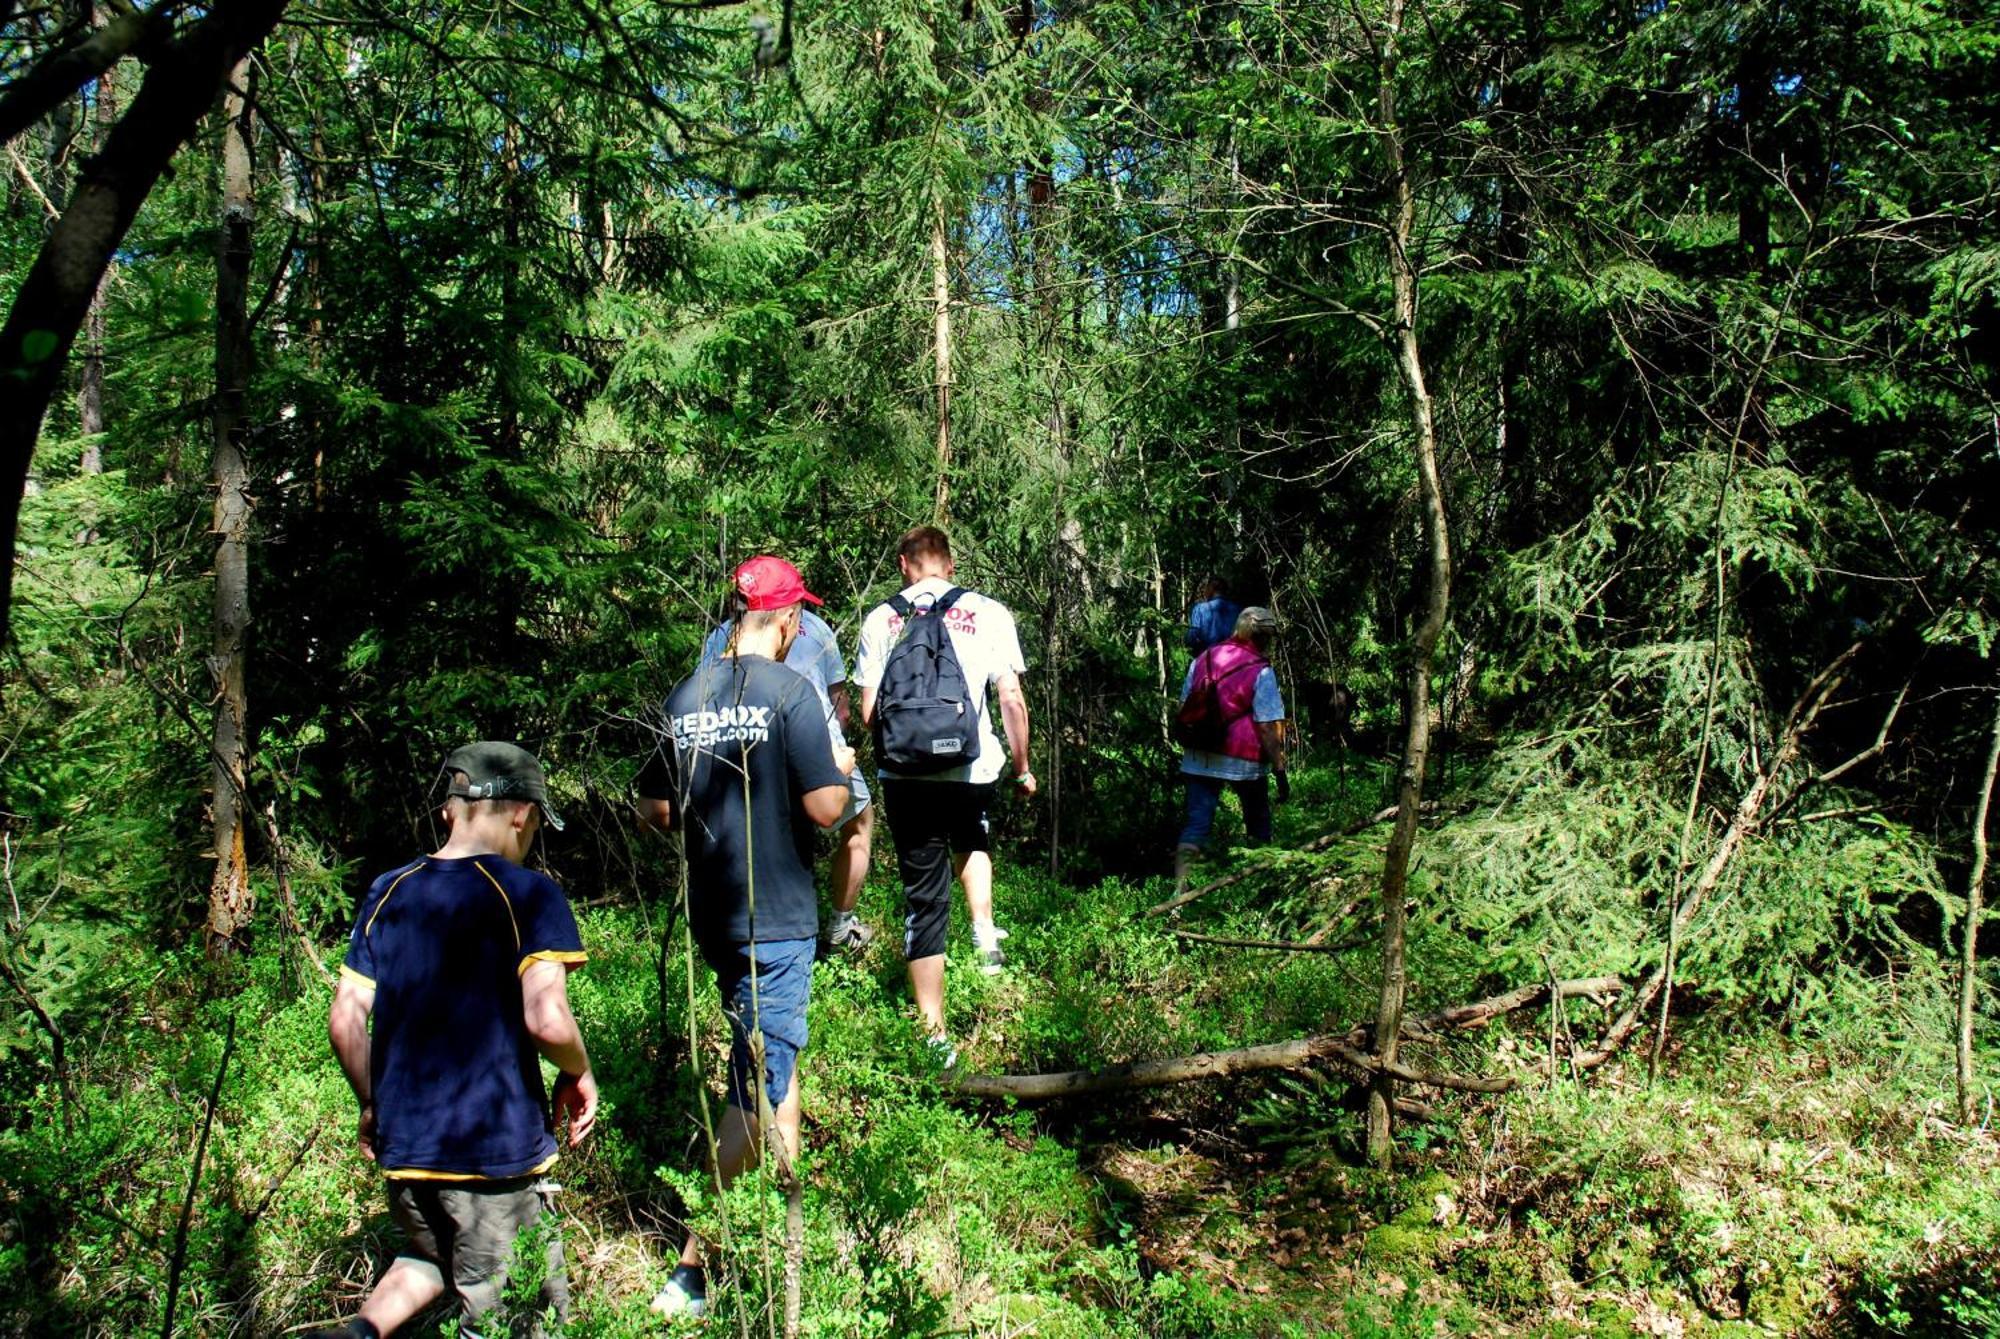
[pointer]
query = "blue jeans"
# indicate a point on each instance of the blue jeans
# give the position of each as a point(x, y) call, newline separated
point(1204, 793)
point(773, 1005)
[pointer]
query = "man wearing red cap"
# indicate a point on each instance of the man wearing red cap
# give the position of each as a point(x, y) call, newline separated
point(816, 655)
point(747, 772)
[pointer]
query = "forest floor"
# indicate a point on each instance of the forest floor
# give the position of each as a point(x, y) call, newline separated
point(1760, 1186)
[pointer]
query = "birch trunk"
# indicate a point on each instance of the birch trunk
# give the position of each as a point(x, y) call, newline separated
point(90, 389)
point(1437, 601)
point(941, 324)
point(1975, 890)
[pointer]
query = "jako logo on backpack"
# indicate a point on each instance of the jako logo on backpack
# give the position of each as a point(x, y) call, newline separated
point(925, 715)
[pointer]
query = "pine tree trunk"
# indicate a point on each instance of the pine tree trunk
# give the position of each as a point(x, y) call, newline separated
point(229, 896)
point(1437, 601)
point(941, 321)
point(1975, 890)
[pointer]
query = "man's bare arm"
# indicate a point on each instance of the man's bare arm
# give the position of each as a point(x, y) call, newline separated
point(842, 704)
point(825, 805)
point(347, 1028)
point(1014, 719)
point(656, 813)
point(1271, 734)
point(545, 1009)
point(868, 706)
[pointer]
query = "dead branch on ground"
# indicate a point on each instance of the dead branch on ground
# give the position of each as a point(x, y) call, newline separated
point(1345, 1048)
point(1271, 945)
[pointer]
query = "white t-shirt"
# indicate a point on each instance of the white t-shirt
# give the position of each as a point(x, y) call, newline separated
point(814, 657)
point(987, 645)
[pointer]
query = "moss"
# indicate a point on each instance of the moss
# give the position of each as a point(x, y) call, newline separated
point(1422, 1209)
point(1502, 1272)
point(1612, 1320)
point(1625, 1256)
point(1396, 1247)
point(1785, 1301)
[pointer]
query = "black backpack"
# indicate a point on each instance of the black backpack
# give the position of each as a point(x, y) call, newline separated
point(926, 715)
point(1199, 723)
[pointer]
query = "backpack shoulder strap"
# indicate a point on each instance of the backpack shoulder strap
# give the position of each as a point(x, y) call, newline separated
point(900, 605)
point(947, 600)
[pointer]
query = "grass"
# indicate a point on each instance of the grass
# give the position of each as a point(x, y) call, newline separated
point(1763, 1186)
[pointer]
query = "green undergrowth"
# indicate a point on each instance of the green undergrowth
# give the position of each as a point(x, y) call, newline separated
point(1766, 1184)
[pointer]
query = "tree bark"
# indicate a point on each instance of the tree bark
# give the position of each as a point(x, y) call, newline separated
point(61, 74)
point(1975, 891)
point(230, 901)
point(1437, 601)
point(941, 327)
point(509, 372)
point(90, 387)
point(52, 301)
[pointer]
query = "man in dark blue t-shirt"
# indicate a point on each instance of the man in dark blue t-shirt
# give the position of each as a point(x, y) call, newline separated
point(746, 770)
point(461, 959)
point(1213, 619)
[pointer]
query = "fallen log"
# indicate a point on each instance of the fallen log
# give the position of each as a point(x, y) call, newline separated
point(1151, 1073)
point(1343, 1047)
point(1316, 844)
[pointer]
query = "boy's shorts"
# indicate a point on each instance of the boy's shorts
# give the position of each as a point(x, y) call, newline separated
point(775, 1006)
point(464, 1232)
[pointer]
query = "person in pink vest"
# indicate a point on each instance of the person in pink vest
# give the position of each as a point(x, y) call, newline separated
point(1253, 746)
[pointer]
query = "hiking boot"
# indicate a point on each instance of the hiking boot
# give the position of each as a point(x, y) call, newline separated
point(992, 961)
point(941, 1049)
point(849, 934)
point(685, 1297)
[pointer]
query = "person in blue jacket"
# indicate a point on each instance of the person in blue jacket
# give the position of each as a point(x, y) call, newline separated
point(1213, 618)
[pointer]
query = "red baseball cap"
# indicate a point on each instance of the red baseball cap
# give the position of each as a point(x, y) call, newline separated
point(769, 582)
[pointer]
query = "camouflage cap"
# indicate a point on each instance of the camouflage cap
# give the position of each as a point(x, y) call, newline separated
point(499, 771)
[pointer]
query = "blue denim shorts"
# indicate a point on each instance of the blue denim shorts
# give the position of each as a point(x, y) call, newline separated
point(772, 1003)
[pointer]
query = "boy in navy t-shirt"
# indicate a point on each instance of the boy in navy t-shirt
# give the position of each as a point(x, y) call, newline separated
point(462, 959)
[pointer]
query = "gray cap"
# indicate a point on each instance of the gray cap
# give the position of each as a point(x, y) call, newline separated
point(498, 771)
point(1256, 621)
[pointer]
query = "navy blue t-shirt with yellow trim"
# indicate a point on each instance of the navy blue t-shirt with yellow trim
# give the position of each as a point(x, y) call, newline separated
point(456, 1077)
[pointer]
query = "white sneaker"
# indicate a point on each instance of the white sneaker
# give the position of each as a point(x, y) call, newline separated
point(684, 1298)
point(986, 943)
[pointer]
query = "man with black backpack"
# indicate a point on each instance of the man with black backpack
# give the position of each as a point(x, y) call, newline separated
point(927, 658)
point(1229, 729)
